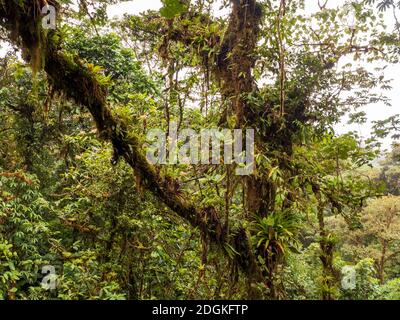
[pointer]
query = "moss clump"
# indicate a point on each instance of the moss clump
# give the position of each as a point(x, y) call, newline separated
point(23, 19)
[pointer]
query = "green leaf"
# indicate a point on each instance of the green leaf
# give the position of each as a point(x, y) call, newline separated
point(172, 8)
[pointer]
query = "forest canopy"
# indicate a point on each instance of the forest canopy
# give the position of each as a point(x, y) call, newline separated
point(313, 213)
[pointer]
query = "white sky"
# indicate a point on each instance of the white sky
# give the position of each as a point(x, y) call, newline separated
point(374, 112)
point(133, 7)
point(138, 6)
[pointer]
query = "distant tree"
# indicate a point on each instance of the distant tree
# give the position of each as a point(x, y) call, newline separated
point(390, 174)
point(378, 238)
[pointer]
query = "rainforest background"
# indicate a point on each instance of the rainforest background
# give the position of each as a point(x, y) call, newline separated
point(76, 190)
